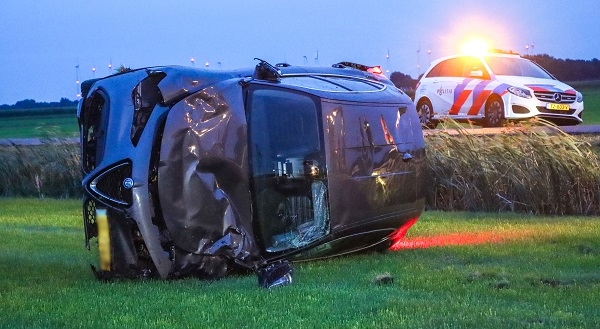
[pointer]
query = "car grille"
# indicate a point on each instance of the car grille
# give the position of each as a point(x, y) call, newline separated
point(547, 96)
point(110, 187)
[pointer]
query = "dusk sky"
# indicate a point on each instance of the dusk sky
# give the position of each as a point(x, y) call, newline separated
point(42, 41)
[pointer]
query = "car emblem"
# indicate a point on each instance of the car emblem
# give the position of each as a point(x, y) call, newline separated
point(557, 97)
point(128, 183)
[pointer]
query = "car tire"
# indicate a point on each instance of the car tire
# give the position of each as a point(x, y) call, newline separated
point(494, 112)
point(425, 111)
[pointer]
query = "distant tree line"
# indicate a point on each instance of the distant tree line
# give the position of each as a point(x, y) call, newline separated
point(32, 104)
point(567, 70)
point(403, 81)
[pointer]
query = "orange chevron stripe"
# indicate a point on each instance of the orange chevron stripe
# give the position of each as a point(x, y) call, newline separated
point(478, 103)
point(460, 101)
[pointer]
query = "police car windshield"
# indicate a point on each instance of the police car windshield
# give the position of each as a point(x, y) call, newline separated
point(516, 66)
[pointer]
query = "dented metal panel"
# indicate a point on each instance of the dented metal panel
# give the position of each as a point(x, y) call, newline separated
point(203, 177)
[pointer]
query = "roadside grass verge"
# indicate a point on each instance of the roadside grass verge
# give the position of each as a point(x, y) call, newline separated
point(546, 275)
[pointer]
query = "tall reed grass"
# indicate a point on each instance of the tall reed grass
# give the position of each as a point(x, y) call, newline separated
point(534, 168)
point(47, 170)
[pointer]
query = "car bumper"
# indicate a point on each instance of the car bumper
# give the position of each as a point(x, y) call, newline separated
point(521, 108)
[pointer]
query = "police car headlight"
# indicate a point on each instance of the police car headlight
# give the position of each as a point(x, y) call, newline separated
point(519, 92)
point(579, 97)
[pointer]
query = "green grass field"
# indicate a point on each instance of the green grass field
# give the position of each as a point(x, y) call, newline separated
point(52, 125)
point(591, 101)
point(533, 272)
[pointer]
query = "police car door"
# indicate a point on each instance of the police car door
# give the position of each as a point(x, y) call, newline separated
point(445, 84)
point(471, 90)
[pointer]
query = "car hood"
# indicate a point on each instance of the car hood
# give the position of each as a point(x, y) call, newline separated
point(537, 84)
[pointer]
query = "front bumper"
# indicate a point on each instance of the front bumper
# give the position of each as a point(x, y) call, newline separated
point(521, 108)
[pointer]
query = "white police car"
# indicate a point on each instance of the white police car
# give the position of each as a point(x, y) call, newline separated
point(493, 88)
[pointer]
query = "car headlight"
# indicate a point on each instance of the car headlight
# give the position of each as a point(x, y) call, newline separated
point(519, 92)
point(579, 97)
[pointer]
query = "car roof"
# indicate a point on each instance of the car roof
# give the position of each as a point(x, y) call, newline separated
point(341, 82)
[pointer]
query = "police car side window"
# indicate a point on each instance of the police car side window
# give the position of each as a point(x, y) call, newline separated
point(435, 71)
point(452, 68)
point(474, 65)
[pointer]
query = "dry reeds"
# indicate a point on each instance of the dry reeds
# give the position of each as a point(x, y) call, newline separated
point(47, 170)
point(534, 168)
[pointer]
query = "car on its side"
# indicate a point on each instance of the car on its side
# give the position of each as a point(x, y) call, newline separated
point(198, 172)
point(492, 89)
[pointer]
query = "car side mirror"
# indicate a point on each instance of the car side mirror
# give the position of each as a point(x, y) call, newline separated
point(476, 74)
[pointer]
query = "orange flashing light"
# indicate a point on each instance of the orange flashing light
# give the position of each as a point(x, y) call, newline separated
point(375, 70)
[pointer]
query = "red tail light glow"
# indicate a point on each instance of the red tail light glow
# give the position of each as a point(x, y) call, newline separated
point(458, 239)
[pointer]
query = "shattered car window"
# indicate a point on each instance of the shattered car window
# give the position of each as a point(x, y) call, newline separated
point(291, 196)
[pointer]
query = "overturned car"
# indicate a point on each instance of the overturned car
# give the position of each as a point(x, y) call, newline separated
point(197, 172)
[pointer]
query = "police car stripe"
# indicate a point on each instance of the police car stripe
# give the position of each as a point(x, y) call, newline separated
point(478, 102)
point(480, 92)
point(461, 93)
point(545, 88)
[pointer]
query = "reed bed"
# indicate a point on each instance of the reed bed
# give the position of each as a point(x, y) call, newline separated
point(48, 170)
point(534, 168)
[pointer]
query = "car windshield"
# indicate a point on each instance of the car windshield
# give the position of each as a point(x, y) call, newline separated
point(516, 66)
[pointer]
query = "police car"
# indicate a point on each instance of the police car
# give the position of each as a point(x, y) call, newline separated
point(494, 88)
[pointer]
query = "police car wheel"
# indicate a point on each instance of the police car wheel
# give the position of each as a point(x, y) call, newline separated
point(494, 113)
point(425, 111)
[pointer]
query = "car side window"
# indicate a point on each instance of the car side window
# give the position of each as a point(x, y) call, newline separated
point(287, 164)
point(452, 67)
point(435, 71)
point(473, 68)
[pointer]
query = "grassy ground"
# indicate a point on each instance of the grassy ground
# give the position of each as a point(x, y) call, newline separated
point(539, 272)
point(52, 125)
point(591, 101)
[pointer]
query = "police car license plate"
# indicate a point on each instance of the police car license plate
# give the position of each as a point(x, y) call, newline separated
point(558, 107)
point(103, 239)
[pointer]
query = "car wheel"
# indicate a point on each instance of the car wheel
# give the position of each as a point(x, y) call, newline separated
point(425, 111)
point(494, 112)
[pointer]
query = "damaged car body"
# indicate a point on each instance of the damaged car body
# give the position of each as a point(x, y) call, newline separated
point(197, 172)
